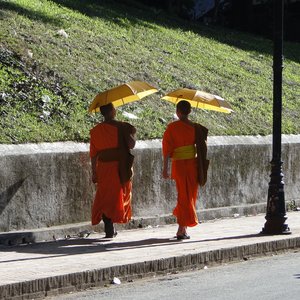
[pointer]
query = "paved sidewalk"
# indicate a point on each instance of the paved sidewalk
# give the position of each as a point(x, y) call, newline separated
point(43, 269)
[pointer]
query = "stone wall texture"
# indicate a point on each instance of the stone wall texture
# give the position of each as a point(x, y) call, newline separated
point(45, 185)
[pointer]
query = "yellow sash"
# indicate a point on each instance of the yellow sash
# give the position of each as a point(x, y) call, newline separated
point(184, 152)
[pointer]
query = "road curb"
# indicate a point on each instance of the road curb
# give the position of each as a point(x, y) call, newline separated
point(72, 282)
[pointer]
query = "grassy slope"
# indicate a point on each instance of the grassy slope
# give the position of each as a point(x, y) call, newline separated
point(46, 97)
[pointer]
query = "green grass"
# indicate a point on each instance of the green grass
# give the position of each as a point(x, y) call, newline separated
point(46, 97)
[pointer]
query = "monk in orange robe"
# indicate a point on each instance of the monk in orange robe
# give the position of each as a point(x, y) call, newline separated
point(110, 144)
point(179, 145)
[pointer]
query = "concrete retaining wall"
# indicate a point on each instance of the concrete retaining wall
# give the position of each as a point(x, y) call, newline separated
point(45, 185)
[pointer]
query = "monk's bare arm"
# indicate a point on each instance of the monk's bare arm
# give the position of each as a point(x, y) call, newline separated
point(94, 173)
point(166, 167)
point(131, 140)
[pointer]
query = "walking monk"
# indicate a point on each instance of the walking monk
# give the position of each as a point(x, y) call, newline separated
point(185, 143)
point(110, 144)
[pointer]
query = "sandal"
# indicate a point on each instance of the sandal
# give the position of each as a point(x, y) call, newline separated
point(110, 236)
point(183, 237)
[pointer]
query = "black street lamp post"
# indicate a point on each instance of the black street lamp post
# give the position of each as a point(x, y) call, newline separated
point(276, 213)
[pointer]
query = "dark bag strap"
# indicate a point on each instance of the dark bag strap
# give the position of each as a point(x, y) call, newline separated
point(126, 158)
point(201, 145)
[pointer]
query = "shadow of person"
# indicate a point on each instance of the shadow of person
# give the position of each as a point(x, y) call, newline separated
point(77, 246)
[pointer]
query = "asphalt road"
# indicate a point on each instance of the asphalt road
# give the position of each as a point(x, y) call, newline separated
point(273, 277)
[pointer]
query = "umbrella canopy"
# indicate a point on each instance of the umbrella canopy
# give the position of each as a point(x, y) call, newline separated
point(122, 94)
point(199, 99)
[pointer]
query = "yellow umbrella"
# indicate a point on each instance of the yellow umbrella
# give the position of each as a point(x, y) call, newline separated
point(199, 99)
point(122, 94)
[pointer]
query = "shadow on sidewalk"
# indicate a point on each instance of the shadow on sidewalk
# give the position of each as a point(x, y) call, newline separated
point(91, 245)
point(297, 276)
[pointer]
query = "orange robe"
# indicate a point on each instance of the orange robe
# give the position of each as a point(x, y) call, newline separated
point(111, 199)
point(184, 171)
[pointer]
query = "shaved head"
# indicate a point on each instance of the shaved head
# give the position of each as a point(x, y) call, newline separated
point(106, 109)
point(184, 107)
